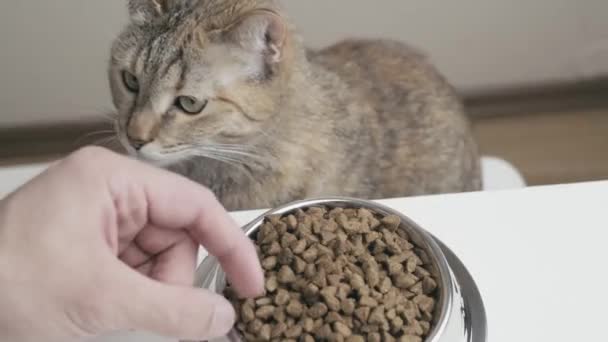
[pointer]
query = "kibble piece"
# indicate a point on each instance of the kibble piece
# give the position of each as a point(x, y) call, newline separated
point(411, 265)
point(391, 222)
point(299, 247)
point(299, 265)
point(335, 337)
point(273, 249)
point(395, 268)
point(400, 258)
point(320, 279)
point(287, 240)
point(374, 223)
point(293, 331)
point(323, 250)
point(410, 338)
point(291, 221)
point(386, 337)
point(426, 327)
point(368, 301)
point(294, 309)
point(286, 275)
point(271, 284)
point(414, 329)
point(318, 324)
point(404, 281)
point(333, 213)
point(269, 263)
point(347, 306)
point(265, 332)
point(278, 329)
point(425, 303)
point(307, 338)
point(374, 337)
point(372, 277)
point(343, 291)
point(357, 282)
point(330, 226)
point(377, 315)
point(362, 313)
point(247, 313)
point(317, 311)
point(308, 324)
point(282, 297)
point(342, 329)
point(279, 314)
point(323, 332)
point(267, 233)
point(333, 316)
point(310, 271)
point(396, 324)
point(255, 325)
point(417, 288)
point(264, 312)
point(410, 312)
point(327, 264)
point(333, 303)
point(285, 257)
point(310, 254)
point(428, 285)
point(249, 336)
point(263, 301)
point(385, 285)
point(355, 338)
point(310, 294)
point(334, 279)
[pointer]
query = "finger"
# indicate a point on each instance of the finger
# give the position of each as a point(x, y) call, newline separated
point(146, 268)
point(134, 256)
point(176, 265)
point(182, 312)
point(154, 240)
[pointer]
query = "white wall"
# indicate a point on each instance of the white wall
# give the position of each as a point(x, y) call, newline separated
point(53, 53)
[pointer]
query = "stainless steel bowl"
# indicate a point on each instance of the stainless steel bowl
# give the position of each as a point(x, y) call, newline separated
point(460, 315)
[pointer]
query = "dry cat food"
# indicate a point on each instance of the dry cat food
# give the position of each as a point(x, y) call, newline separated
point(338, 275)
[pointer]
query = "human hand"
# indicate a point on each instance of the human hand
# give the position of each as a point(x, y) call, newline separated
point(101, 243)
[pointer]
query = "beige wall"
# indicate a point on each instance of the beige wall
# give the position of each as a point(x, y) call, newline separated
point(53, 53)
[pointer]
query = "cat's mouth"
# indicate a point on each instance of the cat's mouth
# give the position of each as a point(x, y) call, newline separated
point(159, 156)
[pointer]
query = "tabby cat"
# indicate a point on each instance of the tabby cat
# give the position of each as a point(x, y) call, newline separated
point(225, 93)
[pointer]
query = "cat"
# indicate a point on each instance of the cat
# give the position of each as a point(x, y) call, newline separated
point(225, 93)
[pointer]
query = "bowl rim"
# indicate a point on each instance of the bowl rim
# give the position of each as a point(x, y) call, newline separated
point(447, 284)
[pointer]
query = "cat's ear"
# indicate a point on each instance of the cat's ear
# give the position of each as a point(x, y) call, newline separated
point(261, 31)
point(142, 11)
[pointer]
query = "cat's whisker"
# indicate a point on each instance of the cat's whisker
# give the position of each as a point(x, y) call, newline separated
point(237, 164)
point(111, 117)
point(106, 141)
point(93, 134)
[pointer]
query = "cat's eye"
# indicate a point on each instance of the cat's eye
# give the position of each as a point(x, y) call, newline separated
point(190, 105)
point(130, 81)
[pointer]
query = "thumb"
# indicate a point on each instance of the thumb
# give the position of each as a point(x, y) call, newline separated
point(173, 311)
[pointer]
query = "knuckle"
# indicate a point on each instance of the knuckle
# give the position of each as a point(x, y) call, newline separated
point(89, 155)
point(87, 161)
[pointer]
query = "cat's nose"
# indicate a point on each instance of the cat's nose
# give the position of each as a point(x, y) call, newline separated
point(142, 129)
point(137, 143)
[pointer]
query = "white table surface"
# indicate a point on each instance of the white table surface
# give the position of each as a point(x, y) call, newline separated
point(538, 256)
